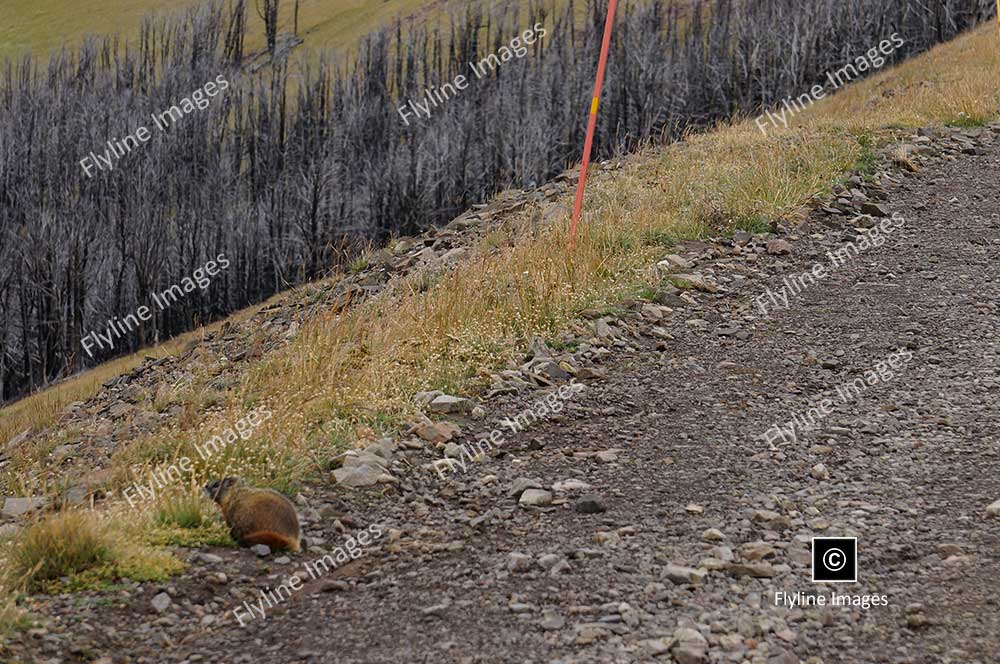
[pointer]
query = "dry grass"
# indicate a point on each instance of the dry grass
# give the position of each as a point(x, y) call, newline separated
point(41, 26)
point(62, 545)
point(78, 549)
point(347, 378)
point(42, 408)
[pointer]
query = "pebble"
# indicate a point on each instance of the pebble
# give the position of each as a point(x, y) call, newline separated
point(590, 504)
point(536, 498)
point(162, 602)
point(519, 562)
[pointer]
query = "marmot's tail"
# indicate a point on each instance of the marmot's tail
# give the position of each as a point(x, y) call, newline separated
point(273, 540)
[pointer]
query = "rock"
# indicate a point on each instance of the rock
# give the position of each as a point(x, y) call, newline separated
point(519, 562)
point(655, 646)
point(570, 485)
point(552, 621)
point(779, 247)
point(819, 472)
point(602, 330)
point(162, 602)
point(679, 574)
point(695, 281)
point(436, 432)
point(535, 498)
point(676, 261)
point(282, 560)
point(756, 570)
point(209, 558)
point(590, 504)
point(424, 398)
point(18, 439)
point(713, 535)
point(874, 209)
point(549, 560)
point(694, 509)
point(7, 531)
point(538, 349)
point(994, 509)
point(437, 610)
point(757, 551)
point(521, 484)
point(607, 456)
point(652, 312)
point(690, 647)
point(262, 550)
point(447, 404)
point(362, 475)
point(16, 507)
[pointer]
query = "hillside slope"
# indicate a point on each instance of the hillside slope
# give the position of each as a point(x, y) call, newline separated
point(41, 26)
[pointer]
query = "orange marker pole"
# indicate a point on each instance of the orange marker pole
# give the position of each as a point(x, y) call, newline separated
point(592, 124)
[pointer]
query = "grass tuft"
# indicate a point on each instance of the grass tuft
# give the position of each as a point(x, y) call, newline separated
point(61, 545)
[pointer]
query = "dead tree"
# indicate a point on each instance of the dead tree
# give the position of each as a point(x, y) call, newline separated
point(269, 14)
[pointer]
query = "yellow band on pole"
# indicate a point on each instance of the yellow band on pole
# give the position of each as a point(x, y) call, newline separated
point(594, 104)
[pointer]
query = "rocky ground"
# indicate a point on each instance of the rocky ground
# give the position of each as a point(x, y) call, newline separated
point(657, 514)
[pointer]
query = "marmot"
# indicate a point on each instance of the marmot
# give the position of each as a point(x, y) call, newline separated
point(256, 516)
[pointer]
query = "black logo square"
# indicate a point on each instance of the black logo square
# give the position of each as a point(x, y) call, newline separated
point(835, 559)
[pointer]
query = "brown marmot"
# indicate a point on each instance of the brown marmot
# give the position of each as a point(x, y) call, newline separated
point(256, 516)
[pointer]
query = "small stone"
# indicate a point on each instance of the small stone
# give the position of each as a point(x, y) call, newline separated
point(15, 507)
point(690, 647)
point(673, 260)
point(819, 472)
point(282, 560)
point(607, 456)
point(549, 560)
point(448, 404)
point(262, 550)
point(695, 509)
point(437, 432)
point(521, 484)
point(916, 621)
point(680, 575)
point(713, 535)
point(536, 498)
point(756, 570)
point(695, 281)
point(362, 475)
point(874, 209)
point(590, 504)
point(519, 562)
point(779, 247)
point(162, 602)
point(994, 509)
point(570, 485)
point(552, 622)
point(209, 558)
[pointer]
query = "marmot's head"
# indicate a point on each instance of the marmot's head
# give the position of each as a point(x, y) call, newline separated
point(218, 489)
